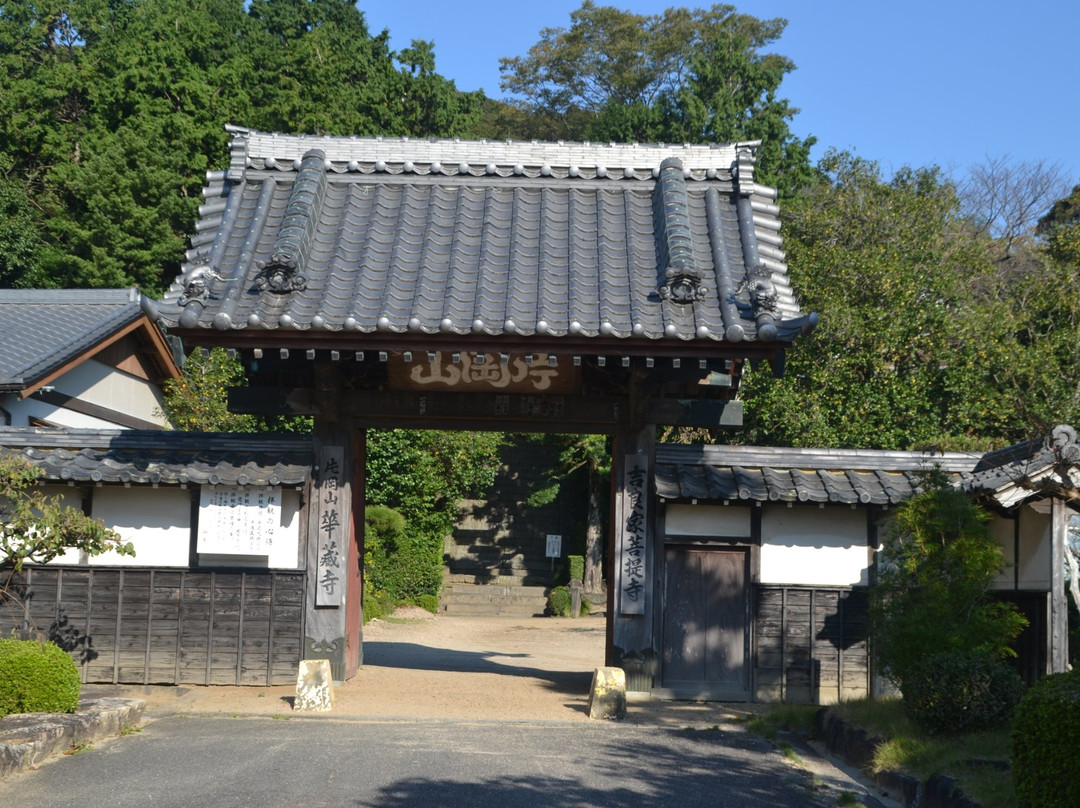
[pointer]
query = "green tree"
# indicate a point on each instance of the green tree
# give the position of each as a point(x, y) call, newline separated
point(19, 239)
point(37, 528)
point(912, 329)
point(685, 75)
point(111, 113)
point(933, 592)
point(422, 475)
point(588, 456)
point(198, 400)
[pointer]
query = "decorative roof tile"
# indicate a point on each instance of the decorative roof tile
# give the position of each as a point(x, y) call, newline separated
point(862, 476)
point(370, 236)
point(165, 458)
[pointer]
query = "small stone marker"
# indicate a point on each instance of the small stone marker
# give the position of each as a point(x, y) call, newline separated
point(607, 698)
point(314, 686)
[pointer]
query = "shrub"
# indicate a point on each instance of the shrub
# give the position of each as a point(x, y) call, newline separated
point(1046, 737)
point(558, 602)
point(577, 567)
point(934, 589)
point(373, 607)
point(398, 562)
point(428, 602)
point(958, 692)
point(37, 677)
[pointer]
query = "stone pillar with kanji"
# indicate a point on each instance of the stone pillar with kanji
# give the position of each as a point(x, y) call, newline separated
point(333, 586)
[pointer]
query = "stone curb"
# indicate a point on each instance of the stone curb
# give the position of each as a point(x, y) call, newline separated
point(29, 739)
point(857, 747)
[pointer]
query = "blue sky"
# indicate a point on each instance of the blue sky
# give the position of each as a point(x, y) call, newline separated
point(947, 83)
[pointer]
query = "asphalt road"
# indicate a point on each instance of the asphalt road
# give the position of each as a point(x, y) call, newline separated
point(303, 762)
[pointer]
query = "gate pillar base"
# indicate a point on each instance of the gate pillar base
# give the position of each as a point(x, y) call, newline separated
point(607, 696)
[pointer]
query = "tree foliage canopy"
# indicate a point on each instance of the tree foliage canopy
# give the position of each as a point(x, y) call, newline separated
point(685, 75)
point(935, 573)
point(929, 337)
point(36, 527)
point(111, 113)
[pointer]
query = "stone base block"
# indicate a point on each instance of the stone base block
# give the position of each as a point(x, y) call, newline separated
point(314, 686)
point(607, 697)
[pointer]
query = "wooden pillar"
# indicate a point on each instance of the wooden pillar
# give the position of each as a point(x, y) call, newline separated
point(354, 594)
point(633, 594)
point(1058, 634)
point(333, 532)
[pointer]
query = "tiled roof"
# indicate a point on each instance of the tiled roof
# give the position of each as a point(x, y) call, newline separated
point(862, 476)
point(453, 238)
point(758, 474)
point(44, 329)
point(166, 458)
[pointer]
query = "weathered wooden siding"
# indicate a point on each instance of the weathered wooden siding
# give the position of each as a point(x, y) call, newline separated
point(166, 626)
point(810, 644)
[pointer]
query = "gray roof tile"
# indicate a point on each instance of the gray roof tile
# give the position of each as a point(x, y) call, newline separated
point(166, 458)
point(449, 237)
point(863, 476)
point(41, 330)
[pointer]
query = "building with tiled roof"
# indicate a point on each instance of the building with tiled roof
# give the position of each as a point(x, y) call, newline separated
point(575, 287)
point(659, 250)
point(81, 358)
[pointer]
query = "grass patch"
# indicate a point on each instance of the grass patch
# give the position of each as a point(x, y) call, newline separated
point(130, 729)
point(78, 748)
point(980, 761)
point(791, 754)
point(786, 717)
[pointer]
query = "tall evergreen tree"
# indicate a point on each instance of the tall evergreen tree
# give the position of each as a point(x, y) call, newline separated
point(685, 75)
point(111, 112)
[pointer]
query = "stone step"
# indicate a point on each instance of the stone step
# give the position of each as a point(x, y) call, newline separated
point(493, 609)
point(489, 592)
point(475, 600)
point(510, 567)
point(482, 550)
point(485, 578)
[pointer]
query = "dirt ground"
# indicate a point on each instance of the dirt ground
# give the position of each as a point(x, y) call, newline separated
point(419, 666)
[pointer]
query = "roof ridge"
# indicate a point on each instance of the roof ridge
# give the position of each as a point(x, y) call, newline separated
point(81, 296)
point(451, 156)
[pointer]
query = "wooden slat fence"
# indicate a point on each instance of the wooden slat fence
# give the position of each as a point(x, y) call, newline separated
point(810, 644)
point(136, 626)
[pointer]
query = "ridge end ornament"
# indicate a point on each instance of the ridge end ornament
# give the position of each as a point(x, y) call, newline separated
point(198, 283)
point(279, 275)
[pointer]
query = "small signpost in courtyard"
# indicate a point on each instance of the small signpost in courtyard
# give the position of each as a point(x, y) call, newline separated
point(554, 547)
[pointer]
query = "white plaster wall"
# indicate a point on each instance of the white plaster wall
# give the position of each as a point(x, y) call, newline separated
point(106, 386)
point(70, 497)
point(22, 410)
point(285, 551)
point(707, 520)
point(814, 546)
point(1003, 531)
point(94, 383)
point(1035, 556)
point(156, 520)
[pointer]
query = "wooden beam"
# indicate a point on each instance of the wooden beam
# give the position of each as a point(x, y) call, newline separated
point(691, 412)
point(490, 411)
point(1058, 633)
point(64, 401)
point(563, 347)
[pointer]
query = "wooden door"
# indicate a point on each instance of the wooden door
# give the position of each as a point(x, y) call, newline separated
point(706, 624)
